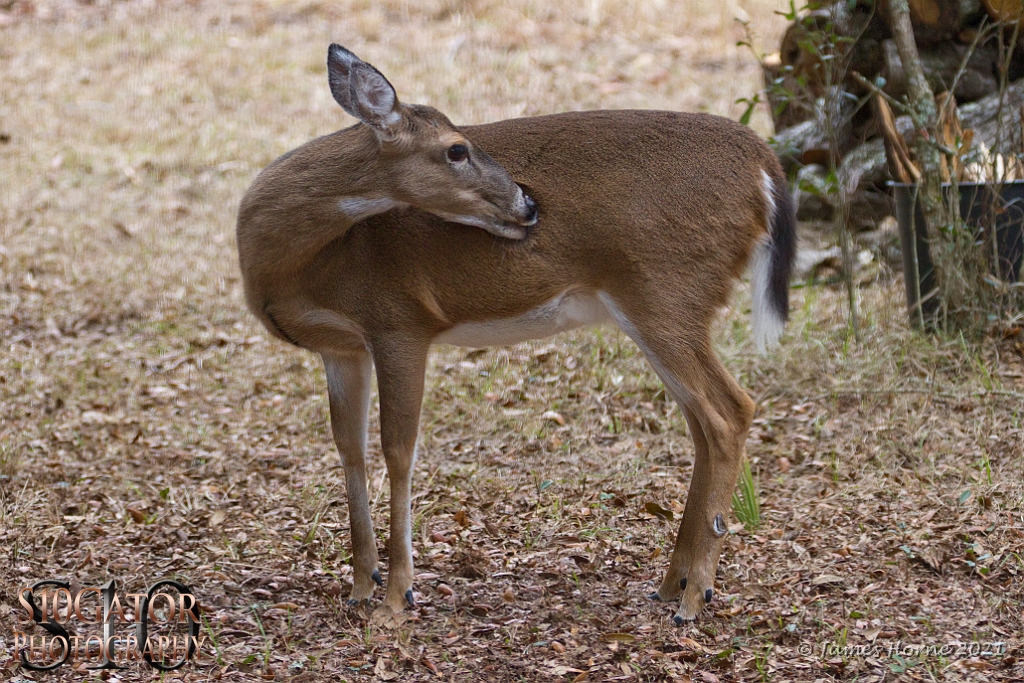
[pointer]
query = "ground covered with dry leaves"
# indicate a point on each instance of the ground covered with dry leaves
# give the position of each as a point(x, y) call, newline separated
point(149, 429)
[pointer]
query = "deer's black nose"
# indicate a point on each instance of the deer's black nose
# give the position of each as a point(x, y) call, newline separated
point(531, 208)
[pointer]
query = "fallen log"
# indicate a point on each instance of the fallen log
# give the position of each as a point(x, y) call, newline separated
point(942, 62)
point(799, 73)
point(1004, 10)
point(863, 170)
point(936, 21)
point(840, 37)
point(865, 165)
point(997, 121)
point(807, 142)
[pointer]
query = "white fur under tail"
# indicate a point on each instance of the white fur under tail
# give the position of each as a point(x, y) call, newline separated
point(768, 324)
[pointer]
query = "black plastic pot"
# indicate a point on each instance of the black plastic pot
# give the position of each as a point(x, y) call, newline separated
point(982, 206)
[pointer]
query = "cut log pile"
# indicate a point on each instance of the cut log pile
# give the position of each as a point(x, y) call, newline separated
point(960, 52)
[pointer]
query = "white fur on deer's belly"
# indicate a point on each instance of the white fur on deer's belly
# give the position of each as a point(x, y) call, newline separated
point(566, 311)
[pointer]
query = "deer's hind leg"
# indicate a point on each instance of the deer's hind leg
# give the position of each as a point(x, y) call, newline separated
point(719, 414)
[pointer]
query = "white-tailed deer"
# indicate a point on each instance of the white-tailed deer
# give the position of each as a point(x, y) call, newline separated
point(646, 219)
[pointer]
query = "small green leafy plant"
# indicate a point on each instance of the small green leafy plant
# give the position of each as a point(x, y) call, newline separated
point(746, 503)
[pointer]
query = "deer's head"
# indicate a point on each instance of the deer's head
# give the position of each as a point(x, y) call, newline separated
point(423, 159)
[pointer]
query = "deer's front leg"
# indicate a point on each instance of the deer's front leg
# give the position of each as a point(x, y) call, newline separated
point(400, 370)
point(348, 386)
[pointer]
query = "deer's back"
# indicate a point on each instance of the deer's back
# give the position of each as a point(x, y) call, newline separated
point(624, 197)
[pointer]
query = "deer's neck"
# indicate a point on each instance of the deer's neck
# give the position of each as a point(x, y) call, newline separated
point(358, 208)
point(304, 201)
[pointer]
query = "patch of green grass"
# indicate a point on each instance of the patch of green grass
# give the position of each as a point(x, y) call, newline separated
point(745, 502)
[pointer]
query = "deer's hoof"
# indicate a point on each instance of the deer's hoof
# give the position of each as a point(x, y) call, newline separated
point(691, 604)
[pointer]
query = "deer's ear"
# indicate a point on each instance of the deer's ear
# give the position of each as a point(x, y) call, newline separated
point(362, 91)
point(339, 70)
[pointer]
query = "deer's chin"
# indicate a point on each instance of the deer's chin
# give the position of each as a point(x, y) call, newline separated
point(495, 226)
point(509, 231)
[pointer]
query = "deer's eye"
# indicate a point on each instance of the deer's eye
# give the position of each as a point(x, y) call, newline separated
point(457, 153)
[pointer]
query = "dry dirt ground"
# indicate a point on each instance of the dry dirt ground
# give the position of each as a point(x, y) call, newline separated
point(149, 428)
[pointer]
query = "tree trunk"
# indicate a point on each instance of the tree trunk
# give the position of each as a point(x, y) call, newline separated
point(922, 100)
